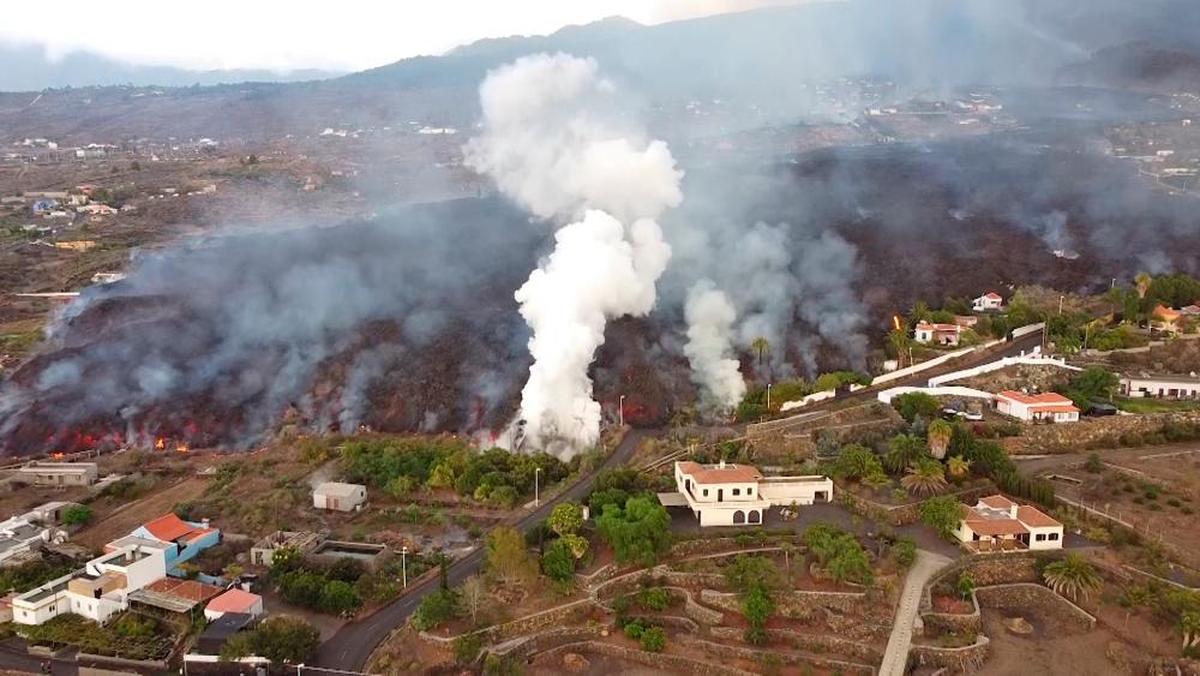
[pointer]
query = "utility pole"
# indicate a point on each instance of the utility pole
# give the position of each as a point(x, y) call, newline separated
point(1060, 304)
point(537, 500)
point(404, 564)
point(621, 410)
point(768, 397)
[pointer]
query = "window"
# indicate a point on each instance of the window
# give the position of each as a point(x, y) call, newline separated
point(1053, 536)
point(706, 492)
point(1041, 537)
point(749, 491)
point(737, 491)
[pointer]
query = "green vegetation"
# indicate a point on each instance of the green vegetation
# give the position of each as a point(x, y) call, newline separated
point(904, 552)
point(913, 404)
point(856, 462)
point(1072, 577)
point(926, 476)
point(75, 630)
point(77, 515)
point(653, 639)
point(33, 574)
point(615, 486)
point(1146, 405)
point(1094, 383)
point(757, 606)
point(943, 514)
point(965, 586)
point(507, 558)
point(279, 639)
point(638, 532)
point(839, 553)
point(436, 608)
point(401, 465)
point(754, 404)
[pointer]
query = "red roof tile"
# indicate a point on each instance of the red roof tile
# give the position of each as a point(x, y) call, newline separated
point(997, 502)
point(712, 474)
point(234, 601)
point(1035, 518)
point(996, 526)
point(169, 528)
point(189, 590)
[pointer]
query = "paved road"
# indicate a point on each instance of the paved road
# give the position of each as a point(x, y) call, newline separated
point(895, 658)
point(352, 645)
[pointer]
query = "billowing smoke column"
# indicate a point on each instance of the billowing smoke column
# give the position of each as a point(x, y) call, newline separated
point(710, 317)
point(548, 145)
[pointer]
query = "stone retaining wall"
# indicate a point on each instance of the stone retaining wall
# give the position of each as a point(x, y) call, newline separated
point(793, 604)
point(665, 662)
point(966, 659)
point(530, 624)
point(819, 643)
point(1102, 432)
point(900, 515)
point(699, 613)
point(1023, 596)
point(725, 651)
point(550, 638)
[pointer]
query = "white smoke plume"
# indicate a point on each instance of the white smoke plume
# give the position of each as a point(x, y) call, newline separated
point(548, 144)
point(710, 317)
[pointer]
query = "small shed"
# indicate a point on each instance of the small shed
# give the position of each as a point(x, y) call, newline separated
point(339, 496)
point(234, 601)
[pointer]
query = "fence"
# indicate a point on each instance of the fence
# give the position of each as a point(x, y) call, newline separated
point(1033, 359)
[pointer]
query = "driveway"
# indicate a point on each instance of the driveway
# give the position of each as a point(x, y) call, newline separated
point(895, 657)
point(352, 645)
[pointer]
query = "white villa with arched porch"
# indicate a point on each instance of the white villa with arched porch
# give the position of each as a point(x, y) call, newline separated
point(727, 494)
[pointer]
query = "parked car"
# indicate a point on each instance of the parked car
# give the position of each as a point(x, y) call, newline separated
point(1099, 408)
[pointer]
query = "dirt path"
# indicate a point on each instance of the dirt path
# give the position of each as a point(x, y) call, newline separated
point(895, 658)
point(126, 518)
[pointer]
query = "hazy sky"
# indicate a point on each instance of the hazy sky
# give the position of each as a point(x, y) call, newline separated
point(291, 34)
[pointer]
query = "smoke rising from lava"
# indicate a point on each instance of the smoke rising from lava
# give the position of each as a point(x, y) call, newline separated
point(548, 144)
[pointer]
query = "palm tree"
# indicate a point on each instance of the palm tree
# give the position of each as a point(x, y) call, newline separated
point(938, 434)
point(901, 343)
point(958, 466)
point(927, 477)
point(1072, 577)
point(1142, 281)
point(919, 312)
point(762, 347)
point(903, 450)
point(1189, 624)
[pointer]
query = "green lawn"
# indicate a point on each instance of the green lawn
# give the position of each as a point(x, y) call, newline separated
point(1149, 405)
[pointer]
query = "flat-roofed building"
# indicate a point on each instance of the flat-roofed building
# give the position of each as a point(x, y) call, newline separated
point(339, 496)
point(1161, 386)
point(61, 474)
point(727, 494)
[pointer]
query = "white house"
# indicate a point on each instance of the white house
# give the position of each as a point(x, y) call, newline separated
point(727, 494)
point(988, 302)
point(937, 334)
point(60, 473)
point(339, 496)
point(1046, 406)
point(99, 590)
point(997, 523)
point(23, 534)
point(1164, 386)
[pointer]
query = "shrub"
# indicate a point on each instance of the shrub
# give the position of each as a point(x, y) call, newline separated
point(77, 515)
point(466, 648)
point(435, 609)
point(913, 404)
point(904, 551)
point(654, 639)
point(634, 630)
point(654, 598)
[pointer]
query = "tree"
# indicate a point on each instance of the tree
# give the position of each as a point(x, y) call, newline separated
point(938, 435)
point(904, 450)
point(435, 608)
point(558, 563)
point(566, 519)
point(77, 515)
point(958, 466)
point(1142, 284)
point(757, 606)
point(943, 514)
point(474, 590)
point(507, 557)
point(762, 347)
point(339, 597)
point(912, 404)
point(904, 551)
point(965, 586)
point(1189, 625)
point(927, 477)
point(280, 639)
point(900, 342)
point(1094, 464)
point(1091, 384)
point(639, 532)
point(855, 461)
point(1072, 576)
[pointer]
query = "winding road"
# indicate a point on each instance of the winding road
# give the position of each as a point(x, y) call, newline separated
point(352, 645)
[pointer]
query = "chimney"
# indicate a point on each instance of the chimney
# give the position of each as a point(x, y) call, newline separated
point(1012, 511)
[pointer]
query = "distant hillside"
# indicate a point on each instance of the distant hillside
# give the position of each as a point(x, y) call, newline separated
point(765, 60)
point(1136, 65)
point(27, 68)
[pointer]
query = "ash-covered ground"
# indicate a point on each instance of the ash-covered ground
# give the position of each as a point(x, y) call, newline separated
point(407, 322)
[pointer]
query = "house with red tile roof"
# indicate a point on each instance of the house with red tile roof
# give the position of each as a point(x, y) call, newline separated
point(189, 538)
point(937, 334)
point(988, 302)
point(1049, 406)
point(728, 494)
point(996, 523)
point(234, 601)
point(1165, 319)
